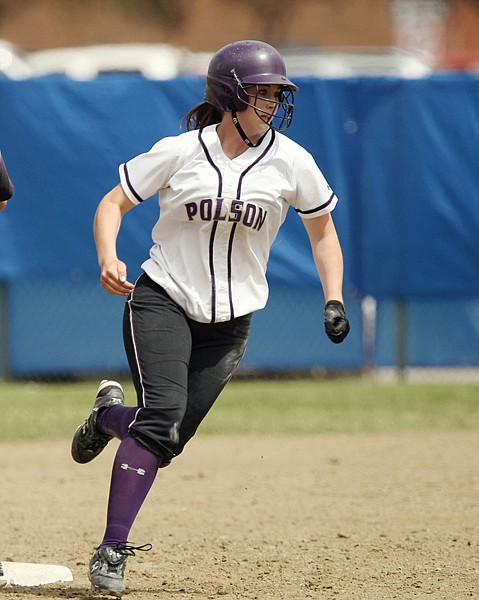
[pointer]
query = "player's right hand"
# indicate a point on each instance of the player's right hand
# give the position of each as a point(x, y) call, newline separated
point(114, 280)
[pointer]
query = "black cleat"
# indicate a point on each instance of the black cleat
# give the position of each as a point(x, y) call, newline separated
point(88, 442)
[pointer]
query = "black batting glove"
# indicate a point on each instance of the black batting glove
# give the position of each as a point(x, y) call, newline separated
point(336, 324)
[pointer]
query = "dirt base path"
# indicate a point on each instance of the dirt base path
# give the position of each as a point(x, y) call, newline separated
point(366, 517)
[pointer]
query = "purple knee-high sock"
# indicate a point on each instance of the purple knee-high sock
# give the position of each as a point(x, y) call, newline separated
point(116, 420)
point(134, 471)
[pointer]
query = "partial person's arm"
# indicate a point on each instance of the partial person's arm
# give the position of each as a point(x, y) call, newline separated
point(6, 186)
point(106, 227)
point(327, 255)
point(328, 258)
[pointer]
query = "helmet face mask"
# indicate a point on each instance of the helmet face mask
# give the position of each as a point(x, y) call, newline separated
point(280, 117)
point(241, 68)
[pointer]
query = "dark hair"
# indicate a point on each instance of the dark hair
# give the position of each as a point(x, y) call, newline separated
point(202, 115)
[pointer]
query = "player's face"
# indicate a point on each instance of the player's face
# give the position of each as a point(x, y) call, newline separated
point(264, 100)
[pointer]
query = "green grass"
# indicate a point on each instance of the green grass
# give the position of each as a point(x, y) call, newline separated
point(309, 406)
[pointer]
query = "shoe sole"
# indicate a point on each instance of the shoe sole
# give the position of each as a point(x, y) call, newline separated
point(104, 592)
point(105, 383)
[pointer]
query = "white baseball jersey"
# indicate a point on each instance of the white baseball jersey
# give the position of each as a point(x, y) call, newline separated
point(219, 217)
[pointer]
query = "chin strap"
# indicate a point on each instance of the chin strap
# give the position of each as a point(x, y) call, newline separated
point(240, 130)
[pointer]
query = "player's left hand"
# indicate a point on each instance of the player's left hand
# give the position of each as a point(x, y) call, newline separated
point(336, 323)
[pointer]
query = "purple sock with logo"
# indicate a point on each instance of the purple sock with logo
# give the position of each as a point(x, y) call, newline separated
point(134, 471)
point(116, 420)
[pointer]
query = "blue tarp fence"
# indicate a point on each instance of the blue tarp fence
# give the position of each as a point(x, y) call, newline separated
point(402, 156)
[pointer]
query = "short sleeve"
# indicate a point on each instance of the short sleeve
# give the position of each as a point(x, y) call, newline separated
point(314, 196)
point(148, 173)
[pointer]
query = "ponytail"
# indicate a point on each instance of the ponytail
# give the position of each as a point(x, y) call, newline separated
point(202, 115)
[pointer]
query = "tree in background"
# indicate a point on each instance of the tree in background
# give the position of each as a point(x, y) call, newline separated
point(170, 13)
point(275, 16)
point(171, 19)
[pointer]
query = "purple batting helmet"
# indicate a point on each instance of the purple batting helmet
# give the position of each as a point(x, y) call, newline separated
point(239, 66)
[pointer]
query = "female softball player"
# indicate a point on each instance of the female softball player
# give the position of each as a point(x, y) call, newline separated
point(225, 186)
point(6, 186)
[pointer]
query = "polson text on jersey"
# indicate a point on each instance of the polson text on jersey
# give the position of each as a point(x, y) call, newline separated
point(211, 209)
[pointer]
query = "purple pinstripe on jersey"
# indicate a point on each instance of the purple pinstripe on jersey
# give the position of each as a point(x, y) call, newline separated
point(255, 162)
point(132, 189)
point(230, 254)
point(215, 226)
point(238, 196)
point(233, 228)
point(212, 272)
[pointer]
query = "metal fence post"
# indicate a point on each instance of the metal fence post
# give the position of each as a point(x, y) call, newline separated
point(401, 338)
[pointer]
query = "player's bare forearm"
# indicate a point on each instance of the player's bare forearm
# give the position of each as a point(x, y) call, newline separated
point(106, 227)
point(327, 255)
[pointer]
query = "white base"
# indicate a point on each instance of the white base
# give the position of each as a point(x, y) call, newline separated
point(31, 574)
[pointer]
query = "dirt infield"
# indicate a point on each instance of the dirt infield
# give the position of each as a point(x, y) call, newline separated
point(366, 517)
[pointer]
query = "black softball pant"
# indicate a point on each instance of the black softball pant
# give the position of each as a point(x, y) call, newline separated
point(178, 366)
